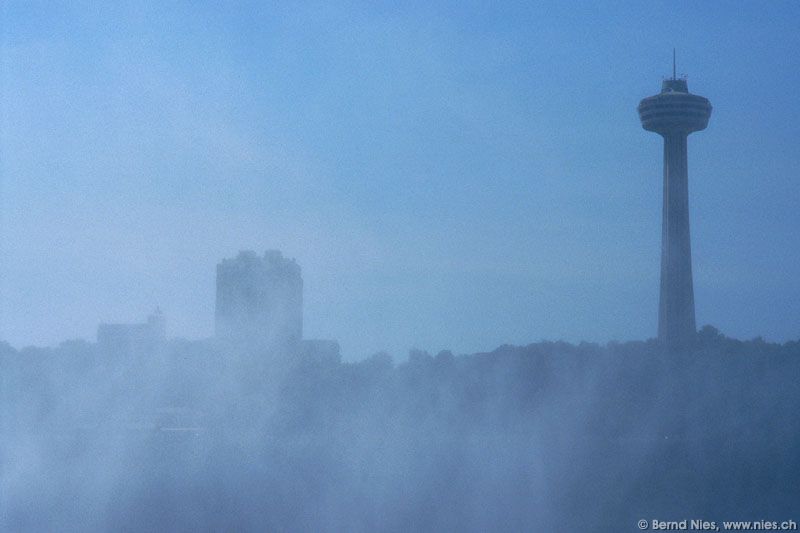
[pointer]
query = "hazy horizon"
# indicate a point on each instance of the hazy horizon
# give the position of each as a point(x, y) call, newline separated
point(452, 177)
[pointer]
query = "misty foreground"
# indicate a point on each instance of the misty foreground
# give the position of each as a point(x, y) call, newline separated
point(548, 437)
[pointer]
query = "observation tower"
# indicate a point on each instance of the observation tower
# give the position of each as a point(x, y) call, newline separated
point(674, 113)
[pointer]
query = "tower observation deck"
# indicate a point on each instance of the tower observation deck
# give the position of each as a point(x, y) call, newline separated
point(674, 113)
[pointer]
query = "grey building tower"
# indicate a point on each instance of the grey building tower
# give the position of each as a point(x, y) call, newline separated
point(674, 113)
point(259, 300)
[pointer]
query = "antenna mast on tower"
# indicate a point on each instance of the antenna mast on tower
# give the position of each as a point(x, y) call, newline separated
point(674, 77)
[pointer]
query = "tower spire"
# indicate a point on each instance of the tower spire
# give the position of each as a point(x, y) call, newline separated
point(674, 77)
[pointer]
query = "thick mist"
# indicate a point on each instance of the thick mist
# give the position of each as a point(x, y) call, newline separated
point(199, 436)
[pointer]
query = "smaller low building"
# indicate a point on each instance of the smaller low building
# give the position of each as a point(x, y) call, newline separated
point(128, 339)
point(321, 350)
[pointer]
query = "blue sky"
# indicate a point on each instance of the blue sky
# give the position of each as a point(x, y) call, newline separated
point(457, 175)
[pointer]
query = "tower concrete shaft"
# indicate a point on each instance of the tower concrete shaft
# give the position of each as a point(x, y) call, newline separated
point(674, 114)
point(676, 322)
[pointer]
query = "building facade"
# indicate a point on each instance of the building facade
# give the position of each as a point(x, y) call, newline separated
point(259, 300)
point(130, 339)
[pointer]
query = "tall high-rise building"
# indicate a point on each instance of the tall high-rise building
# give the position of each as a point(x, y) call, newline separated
point(674, 113)
point(259, 299)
